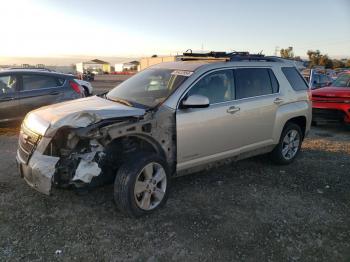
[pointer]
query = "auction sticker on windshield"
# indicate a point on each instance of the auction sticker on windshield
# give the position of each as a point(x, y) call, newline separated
point(182, 73)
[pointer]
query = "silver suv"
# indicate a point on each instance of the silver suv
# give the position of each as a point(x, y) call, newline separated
point(169, 120)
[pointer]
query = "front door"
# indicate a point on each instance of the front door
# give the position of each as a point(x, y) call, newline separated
point(206, 133)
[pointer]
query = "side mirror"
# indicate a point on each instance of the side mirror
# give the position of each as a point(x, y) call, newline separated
point(195, 101)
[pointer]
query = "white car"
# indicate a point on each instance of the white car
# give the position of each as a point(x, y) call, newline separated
point(86, 85)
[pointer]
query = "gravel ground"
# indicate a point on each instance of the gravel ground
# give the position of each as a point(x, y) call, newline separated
point(251, 210)
point(248, 211)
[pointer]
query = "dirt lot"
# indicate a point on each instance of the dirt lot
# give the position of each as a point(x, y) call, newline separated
point(248, 211)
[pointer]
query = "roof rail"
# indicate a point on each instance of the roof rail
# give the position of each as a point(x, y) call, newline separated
point(30, 68)
point(233, 56)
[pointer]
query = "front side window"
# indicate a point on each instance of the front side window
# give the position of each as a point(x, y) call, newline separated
point(149, 87)
point(217, 86)
point(342, 81)
point(294, 78)
point(33, 82)
point(8, 84)
point(251, 82)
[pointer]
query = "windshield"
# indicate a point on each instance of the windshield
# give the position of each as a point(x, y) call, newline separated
point(342, 81)
point(149, 87)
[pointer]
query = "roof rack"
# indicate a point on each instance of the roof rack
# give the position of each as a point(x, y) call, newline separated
point(224, 56)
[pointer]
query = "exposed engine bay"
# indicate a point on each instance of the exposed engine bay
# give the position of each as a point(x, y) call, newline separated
point(90, 156)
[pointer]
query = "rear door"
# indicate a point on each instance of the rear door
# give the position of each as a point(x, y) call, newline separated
point(9, 103)
point(258, 98)
point(38, 90)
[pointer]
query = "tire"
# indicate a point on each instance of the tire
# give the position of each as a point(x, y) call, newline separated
point(142, 172)
point(279, 155)
point(86, 91)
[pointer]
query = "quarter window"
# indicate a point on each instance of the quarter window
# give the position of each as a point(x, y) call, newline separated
point(32, 82)
point(252, 82)
point(217, 86)
point(8, 84)
point(294, 78)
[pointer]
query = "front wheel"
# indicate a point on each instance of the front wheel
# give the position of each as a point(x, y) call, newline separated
point(289, 145)
point(141, 185)
point(86, 91)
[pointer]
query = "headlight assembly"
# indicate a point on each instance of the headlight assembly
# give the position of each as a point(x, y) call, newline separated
point(36, 124)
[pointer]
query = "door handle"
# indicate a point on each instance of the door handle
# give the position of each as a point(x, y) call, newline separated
point(278, 101)
point(233, 109)
point(54, 93)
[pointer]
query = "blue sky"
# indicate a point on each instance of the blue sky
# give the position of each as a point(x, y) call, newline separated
point(139, 28)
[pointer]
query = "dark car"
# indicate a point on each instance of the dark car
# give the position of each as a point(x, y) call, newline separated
point(22, 90)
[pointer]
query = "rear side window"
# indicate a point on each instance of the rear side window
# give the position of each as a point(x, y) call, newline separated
point(33, 82)
point(8, 84)
point(294, 78)
point(252, 82)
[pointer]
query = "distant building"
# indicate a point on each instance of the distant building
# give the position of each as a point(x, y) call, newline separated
point(118, 67)
point(149, 61)
point(128, 66)
point(131, 66)
point(95, 66)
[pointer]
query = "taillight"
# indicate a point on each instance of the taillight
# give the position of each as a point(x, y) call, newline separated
point(75, 86)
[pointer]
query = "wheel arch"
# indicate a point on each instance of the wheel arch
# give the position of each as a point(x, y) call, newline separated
point(86, 89)
point(145, 142)
point(298, 113)
point(300, 121)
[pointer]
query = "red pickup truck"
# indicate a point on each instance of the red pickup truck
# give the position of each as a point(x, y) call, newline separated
point(332, 103)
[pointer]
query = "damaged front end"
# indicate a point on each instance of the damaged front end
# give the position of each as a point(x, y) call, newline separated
point(89, 155)
point(63, 160)
point(79, 159)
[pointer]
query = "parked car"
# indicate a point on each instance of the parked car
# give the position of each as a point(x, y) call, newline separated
point(332, 103)
point(88, 89)
point(22, 90)
point(169, 120)
point(317, 79)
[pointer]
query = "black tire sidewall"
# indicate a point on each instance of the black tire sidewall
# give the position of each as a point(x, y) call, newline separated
point(276, 154)
point(125, 183)
point(86, 91)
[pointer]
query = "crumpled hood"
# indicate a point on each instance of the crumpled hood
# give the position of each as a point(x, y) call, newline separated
point(83, 112)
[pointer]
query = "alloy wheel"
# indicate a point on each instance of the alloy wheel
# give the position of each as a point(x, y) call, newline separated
point(150, 186)
point(290, 144)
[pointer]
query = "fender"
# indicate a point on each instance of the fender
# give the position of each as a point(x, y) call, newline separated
point(287, 112)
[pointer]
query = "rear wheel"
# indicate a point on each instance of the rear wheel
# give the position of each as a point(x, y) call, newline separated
point(86, 91)
point(289, 145)
point(141, 185)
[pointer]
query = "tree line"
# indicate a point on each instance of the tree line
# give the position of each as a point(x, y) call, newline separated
point(316, 58)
